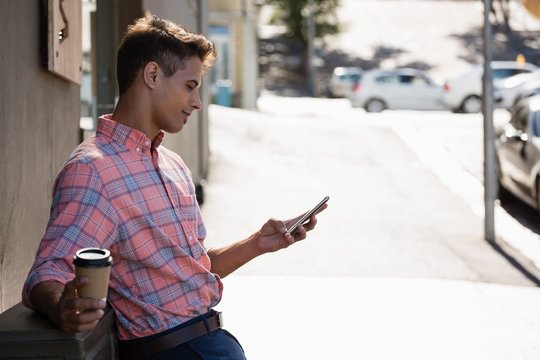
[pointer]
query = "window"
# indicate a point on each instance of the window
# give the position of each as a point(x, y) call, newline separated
point(387, 79)
point(406, 79)
point(504, 73)
point(536, 123)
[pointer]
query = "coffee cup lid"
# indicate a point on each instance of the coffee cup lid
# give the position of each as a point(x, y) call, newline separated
point(92, 257)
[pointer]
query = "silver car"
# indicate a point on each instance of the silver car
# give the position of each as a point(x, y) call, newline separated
point(398, 89)
point(518, 153)
point(343, 81)
point(464, 93)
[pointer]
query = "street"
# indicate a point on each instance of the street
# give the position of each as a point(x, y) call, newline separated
point(403, 223)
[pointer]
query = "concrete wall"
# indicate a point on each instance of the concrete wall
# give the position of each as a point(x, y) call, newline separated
point(39, 121)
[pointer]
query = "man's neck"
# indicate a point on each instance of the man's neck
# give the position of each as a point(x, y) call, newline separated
point(134, 113)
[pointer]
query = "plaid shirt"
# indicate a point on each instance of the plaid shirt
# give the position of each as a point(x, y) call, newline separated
point(121, 191)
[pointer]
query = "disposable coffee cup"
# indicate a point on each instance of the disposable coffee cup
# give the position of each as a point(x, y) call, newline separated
point(95, 264)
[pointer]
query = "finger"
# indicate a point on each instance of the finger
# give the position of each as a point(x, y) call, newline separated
point(321, 209)
point(300, 233)
point(83, 321)
point(83, 304)
point(311, 224)
point(77, 282)
point(70, 288)
point(89, 316)
point(278, 225)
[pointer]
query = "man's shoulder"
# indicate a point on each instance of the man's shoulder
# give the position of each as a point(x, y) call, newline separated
point(173, 156)
point(94, 151)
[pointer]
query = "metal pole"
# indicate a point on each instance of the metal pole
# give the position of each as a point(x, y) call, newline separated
point(311, 50)
point(490, 184)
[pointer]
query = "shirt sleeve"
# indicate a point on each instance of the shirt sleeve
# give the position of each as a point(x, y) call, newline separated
point(81, 216)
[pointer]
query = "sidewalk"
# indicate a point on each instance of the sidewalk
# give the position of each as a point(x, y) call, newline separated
point(298, 305)
point(290, 318)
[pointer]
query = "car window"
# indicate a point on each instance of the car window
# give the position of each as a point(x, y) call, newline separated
point(420, 80)
point(504, 73)
point(520, 71)
point(406, 79)
point(536, 123)
point(350, 77)
point(387, 79)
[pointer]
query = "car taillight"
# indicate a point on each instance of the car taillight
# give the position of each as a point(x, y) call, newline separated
point(356, 87)
point(446, 87)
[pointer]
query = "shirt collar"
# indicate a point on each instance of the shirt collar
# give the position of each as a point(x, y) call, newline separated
point(131, 138)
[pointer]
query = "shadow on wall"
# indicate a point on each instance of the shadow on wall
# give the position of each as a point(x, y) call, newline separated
point(280, 64)
point(280, 57)
point(506, 44)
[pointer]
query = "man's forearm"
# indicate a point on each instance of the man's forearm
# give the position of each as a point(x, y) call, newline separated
point(227, 259)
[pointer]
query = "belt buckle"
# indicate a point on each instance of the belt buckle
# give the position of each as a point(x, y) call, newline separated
point(219, 319)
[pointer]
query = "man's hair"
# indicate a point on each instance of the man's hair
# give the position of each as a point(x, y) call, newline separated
point(166, 43)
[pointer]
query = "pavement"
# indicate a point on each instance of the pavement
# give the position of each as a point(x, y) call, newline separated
point(337, 295)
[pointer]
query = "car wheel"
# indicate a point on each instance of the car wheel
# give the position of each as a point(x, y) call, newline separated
point(375, 105)
point(471, 104)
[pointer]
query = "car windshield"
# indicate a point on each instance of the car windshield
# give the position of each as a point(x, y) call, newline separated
point(504, 73)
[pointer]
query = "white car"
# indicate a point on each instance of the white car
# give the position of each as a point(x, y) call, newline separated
point(403, 89)
point(464, 93)
point(518, 154)
point(515, 87)
point(343, 80)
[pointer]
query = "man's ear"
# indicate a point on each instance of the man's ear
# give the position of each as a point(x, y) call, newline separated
point(150, 73)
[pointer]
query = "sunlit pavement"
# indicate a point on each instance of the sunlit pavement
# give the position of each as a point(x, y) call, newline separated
point(316, 315)
point(376, 318)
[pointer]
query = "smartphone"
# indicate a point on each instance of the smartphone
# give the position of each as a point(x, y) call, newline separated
point(307, 215)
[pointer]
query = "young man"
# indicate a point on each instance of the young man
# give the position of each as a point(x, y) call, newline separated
point(122, 191)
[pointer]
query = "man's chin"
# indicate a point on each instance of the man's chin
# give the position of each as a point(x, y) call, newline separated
point(174, 129)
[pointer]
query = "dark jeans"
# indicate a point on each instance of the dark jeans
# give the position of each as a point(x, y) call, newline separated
point(219, 344)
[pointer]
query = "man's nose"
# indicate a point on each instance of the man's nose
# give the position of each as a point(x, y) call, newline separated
point(197, 104)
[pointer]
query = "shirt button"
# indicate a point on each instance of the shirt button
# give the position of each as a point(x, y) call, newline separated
point(138, 149)
point(147, 143)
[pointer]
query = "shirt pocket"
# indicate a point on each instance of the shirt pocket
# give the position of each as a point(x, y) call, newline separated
point(188, 213)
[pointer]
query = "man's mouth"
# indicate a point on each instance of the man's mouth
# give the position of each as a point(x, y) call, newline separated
point(186, 116)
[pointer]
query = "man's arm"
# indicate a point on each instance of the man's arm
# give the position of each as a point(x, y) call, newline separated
point(271, 237)
point(62, 306)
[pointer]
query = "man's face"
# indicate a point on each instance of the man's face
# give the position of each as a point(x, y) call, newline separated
point(177, 97)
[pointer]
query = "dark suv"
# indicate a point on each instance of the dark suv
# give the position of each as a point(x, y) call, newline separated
point(518, 153)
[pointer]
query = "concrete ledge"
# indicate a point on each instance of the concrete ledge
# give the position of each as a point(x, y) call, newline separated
point(25, 334)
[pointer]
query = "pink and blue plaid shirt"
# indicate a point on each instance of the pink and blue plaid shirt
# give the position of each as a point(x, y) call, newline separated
point(121, 191)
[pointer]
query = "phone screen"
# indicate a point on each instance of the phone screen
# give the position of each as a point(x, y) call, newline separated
point(307, 215)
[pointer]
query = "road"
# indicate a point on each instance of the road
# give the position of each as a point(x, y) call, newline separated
point(313, 147)
point(402, 224)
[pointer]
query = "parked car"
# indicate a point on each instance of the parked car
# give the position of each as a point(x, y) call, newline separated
point(343, 80)
point(517, 87)
point(405, 89)
point(518, 154)
point(464, 93)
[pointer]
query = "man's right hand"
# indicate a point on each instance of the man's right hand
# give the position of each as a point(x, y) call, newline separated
point(61, 304)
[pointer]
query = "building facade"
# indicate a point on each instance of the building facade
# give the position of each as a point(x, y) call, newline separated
point(40, 110)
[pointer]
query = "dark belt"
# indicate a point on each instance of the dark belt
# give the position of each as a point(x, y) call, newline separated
point(173, 339)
